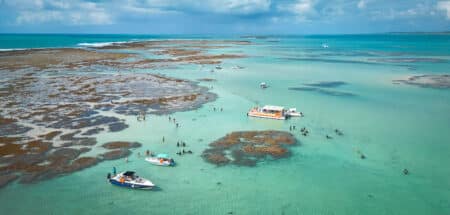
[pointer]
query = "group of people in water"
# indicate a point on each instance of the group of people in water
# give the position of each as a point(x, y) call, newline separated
point(141, 116)
point(172, 119)
point(337, 131)
point(217, 109)
point(182, 144)
point(304, 131)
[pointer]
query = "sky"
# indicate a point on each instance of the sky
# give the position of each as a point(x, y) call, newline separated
point(223, 16)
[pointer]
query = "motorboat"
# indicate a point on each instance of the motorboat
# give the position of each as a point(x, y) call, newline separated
point(324, 45)
point(129, 179)
point(293, 112)
point(218, 67)
point(237, 67)
point(269, 112)
point(161, 160)
point(263, 85)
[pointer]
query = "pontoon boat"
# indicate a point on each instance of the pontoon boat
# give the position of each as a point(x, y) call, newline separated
point(268, 111)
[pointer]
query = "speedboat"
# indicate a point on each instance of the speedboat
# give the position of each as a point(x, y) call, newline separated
point(324, 45)
point(293, 112)
point(129, 179)
point(218, 67)
point(237, 67)
point(161, 160)
point(268, 111)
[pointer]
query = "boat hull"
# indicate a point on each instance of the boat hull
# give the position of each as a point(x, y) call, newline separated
point(130, 185)
point(267, 116)
point(158, 163)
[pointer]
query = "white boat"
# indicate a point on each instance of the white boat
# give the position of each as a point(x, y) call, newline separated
point(237, 67)
point(161, 160)
point(263, 85)
point(324, 45)
point(218, 67)
point(269, 112)
point(293, 112)
point(129, 179)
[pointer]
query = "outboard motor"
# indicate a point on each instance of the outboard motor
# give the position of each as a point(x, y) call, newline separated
point(108, 176)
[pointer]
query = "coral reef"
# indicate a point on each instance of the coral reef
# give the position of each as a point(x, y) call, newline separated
point(53, 101)
point(427, 81)
point(246, 148)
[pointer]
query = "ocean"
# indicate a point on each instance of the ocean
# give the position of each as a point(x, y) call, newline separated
point(344, 82)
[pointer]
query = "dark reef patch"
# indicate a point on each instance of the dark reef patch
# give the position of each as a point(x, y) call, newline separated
point(53, 101)
point(327, 84)
point(323, 91)
point(427, 81)
point(246, 148)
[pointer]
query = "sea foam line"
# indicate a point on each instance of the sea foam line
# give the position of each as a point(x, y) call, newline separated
point(102, 44)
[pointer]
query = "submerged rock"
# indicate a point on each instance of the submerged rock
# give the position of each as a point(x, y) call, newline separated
point(246, 148)
point(121, 145)
point(5, 179)
point(115, 154)
point(427, 81)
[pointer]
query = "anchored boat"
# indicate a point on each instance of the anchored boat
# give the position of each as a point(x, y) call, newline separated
point(273, 112)
point(129, 179)
point(161, 160)
point(293, 112)
point(268, 111)
point(263, 85)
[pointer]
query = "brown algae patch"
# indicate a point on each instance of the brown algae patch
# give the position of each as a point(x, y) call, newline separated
point(246, 148)
point(427, 81)
point(46, 119)
point(54, 101)
point(35, 160)
point(63, 57)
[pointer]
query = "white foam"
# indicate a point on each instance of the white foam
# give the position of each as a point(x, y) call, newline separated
point(7, 50)
point(102, 44)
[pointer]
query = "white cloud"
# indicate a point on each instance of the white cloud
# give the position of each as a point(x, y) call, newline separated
point(418, 10)
point(302, 9)
point(362, 4)
point(70, 13)
point(445, 6)
point(242, 7)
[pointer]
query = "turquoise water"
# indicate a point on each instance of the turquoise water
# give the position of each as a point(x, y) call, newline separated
point(395, 126)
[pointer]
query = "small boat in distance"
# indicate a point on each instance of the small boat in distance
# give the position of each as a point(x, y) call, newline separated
point(324, 45)
point(161, 160)
point(129, 179)
point(293, 112)
point(218, 67)
point(237, 67)
point(263, 85)
point(268, 111)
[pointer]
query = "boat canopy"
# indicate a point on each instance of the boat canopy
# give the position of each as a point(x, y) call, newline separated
point(166, 156)
point(273, 108)
point(128, 173)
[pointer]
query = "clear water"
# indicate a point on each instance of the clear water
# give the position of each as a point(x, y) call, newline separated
point(395, 126)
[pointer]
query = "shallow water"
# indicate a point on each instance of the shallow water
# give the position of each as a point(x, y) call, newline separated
point(394, 126)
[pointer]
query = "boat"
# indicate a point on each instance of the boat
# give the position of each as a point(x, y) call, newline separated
point(293, 112)
point(237, 67)
point(129, 179)
point(263, 85)
point(218, 67)
point(268, 111)
point(324, 45)
point(161, 160)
